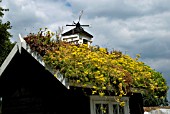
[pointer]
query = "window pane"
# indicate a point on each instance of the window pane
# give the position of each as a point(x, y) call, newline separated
point(85, 41)
point(98, 108)
point(115, 109)
point(121, 110)
point(102, 109)
point(105, 109)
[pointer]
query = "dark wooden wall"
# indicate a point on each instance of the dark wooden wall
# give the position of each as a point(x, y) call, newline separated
point(22, 101)
point(80, 100)
point(27, 87)
point(25, 100)
point(136, 104)
point(0, 107)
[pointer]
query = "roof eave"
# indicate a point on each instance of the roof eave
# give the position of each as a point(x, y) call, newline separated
point(81, 32)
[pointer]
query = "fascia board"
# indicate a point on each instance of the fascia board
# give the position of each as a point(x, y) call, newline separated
point(8, 59)
point(21, 43)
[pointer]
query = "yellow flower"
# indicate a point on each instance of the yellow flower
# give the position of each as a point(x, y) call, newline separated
point(78, 81)
point(155, 96)
point(122, 104)
point(119, 79)
point(102, 79)
point(135, 90)
point(94, 87)
point(120, 85)
point(94, 65)
point(121, 92)
point(86, 72)
point(93, 92)
point(138, 78)
point(103, 88)
point(84, 85)
point(101, 94)
point(79, 63)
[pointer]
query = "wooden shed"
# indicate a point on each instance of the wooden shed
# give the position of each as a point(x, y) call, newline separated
point(28, 87)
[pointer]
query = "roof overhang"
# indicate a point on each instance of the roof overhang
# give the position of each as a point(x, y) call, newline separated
point(77, 30)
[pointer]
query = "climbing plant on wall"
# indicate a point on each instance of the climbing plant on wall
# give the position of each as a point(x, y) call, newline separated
point(98, 69)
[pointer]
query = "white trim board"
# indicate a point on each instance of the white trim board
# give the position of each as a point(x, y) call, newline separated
point(8, 59)
point(20, 44)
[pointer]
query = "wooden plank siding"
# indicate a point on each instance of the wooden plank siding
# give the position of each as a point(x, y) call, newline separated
point(27, 87)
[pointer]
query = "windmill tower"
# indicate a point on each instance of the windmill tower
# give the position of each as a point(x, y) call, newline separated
point(77, 35)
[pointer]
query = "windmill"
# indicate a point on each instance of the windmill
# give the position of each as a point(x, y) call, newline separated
point(78, 23)
point(77, 35)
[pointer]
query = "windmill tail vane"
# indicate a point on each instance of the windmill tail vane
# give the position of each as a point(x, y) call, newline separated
point(81, 13)
point(78, 23)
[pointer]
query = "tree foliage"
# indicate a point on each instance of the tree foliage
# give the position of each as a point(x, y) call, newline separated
point(5, 44)
point(95, 67)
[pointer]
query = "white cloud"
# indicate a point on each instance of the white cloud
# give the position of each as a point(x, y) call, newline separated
point(28, 16)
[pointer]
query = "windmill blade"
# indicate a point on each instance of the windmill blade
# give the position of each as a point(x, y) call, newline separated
point(81, 13)
point(74, 23)
point(85, 25)
point(70, 25)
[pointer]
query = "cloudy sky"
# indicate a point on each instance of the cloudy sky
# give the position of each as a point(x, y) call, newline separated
point(131, 26)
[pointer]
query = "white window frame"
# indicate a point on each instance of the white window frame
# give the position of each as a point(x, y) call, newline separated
point(110, 100)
